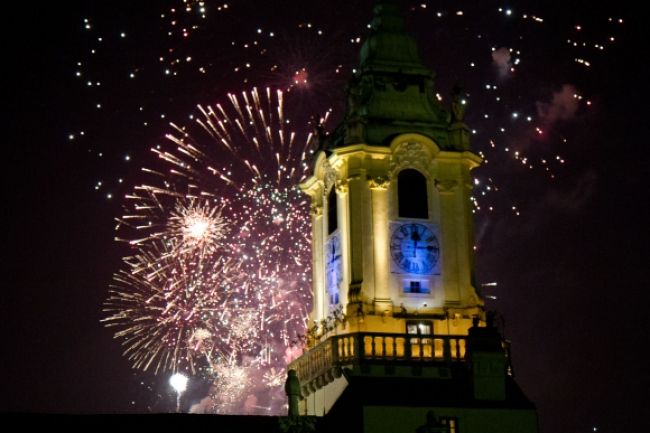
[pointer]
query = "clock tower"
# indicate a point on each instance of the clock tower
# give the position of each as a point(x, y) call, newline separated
point(391, 210)
point(394, 294)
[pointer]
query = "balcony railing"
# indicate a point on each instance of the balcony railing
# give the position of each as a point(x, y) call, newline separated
point(346, 349)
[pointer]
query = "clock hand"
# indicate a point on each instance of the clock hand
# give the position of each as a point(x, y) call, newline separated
point(415, 237)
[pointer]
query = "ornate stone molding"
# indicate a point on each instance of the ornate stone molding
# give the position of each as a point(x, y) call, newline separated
point(410, 155)
point(445, 185)
point(316, 191)
point(322, 380)
point(342, 186)
point(378, 182)
point(330, 177)
point(316, 209)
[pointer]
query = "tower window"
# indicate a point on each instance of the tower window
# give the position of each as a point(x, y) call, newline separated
point(332, 220)
point(412, 194)
point(450, 423)
point(419, 327)
point(416, 286)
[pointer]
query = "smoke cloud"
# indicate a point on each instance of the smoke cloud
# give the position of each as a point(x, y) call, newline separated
point(574, 199)
point(204, 406)
point(501, 59)
point(563, 106)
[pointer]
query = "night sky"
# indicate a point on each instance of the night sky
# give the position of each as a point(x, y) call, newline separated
point(564, 240)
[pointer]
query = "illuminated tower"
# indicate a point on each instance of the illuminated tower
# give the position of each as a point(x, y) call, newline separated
point(392, 225)
point(396, 309)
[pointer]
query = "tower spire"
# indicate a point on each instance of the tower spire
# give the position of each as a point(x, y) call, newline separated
point(392, 92)
point(388, 47)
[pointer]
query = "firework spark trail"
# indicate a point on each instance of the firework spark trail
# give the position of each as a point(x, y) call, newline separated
point(160, 301)
point(220, 283)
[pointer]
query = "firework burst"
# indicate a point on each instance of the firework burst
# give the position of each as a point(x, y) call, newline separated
point(167, 306)
point(220, 283)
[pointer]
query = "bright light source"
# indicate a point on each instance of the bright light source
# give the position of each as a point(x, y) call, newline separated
point(178, 381)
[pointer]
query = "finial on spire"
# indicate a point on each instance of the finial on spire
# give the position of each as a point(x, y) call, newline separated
point(388, 46)
point(387, 17)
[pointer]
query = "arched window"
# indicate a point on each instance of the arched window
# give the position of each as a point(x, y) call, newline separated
point(412, 195)
point(332, 220)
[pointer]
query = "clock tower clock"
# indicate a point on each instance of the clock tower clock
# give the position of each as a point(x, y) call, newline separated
point(333, 268)
point(414, 249)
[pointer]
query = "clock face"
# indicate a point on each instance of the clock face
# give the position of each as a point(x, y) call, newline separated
point(333, 267)
point(414, 248)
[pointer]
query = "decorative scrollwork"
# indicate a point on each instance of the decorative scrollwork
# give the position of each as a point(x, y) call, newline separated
point(378, 182)
point(445, 185)
point(330, 176)
point(316, 209)
point(410, 155)
point(342, 186)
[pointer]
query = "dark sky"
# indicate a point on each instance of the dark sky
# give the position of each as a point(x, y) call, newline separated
point(571, 268)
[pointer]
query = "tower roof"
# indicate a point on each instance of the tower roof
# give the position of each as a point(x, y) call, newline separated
point(389, 48)
point(392, 92)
